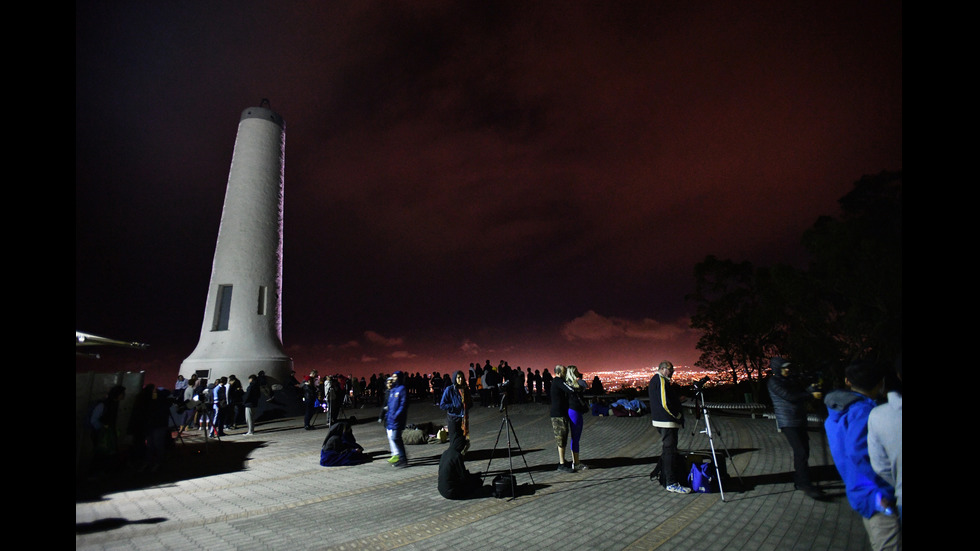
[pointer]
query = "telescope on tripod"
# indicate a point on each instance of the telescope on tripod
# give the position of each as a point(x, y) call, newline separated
point(505, 422)
point(699, 404)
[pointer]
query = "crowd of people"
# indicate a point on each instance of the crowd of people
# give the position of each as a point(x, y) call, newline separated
point(486, 383)
point(863, 431)
point(225, 403)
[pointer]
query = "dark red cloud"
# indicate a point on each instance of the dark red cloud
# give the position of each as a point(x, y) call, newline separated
point(464, 178)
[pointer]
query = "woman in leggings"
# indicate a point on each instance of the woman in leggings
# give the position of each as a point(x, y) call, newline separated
point(577, 406)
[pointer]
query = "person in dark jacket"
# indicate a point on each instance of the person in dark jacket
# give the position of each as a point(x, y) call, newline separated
point(158, 435)
point(139, 419)
point(455, 482)
point(251, 402)
point(236, 408)
point(264, 388)
point(105, 431)
point(559, 418)
point(456, 402)
point(310, 396)
point(340, 448)
point(665, 409)
point(493, 379)
point(789, 401)
point(333, 392)
point(596, 387)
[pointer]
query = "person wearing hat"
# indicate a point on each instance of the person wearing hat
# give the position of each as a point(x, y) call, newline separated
point(789, 400)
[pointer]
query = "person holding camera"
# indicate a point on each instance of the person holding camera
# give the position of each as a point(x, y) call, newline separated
point(665, 409)
point(789, 401)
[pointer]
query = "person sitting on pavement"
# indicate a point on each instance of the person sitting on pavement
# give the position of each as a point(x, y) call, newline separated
point(455, 482)
point(340, 447)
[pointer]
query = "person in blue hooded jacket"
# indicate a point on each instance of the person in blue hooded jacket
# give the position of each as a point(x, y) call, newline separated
point(847, 436)
point(395, 419)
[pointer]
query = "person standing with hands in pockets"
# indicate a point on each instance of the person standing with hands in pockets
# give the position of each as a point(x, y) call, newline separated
point(456, 402)
point(665, 409)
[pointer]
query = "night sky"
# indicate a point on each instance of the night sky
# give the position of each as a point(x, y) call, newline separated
point(469, 180)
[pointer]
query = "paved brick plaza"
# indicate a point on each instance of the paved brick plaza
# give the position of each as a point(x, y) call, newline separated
point(268, 491)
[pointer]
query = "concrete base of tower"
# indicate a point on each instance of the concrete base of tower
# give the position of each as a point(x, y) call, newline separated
point(277, 370)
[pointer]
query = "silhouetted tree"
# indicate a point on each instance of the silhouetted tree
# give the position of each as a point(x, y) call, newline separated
point(856, 271)
point(736, 317)
point(846, 305)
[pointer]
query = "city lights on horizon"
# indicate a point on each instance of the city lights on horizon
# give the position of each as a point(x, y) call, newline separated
point(637, 378)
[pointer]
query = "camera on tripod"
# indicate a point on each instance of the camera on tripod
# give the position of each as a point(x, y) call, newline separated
point(699, 384)
point(504, 389)
point(180, 404)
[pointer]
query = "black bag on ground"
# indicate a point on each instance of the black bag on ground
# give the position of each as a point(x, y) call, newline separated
point(504, 485)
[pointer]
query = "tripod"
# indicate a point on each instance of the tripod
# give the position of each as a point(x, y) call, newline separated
point(342, 405)
point(699, 405)
point(320, 406)
point(175, 424)
point(326, 407)
point(505, 421)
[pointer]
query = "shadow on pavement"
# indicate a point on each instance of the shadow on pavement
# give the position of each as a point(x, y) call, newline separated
point(106, 524)
point(184, 461)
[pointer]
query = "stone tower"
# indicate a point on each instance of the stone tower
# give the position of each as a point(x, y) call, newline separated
point(242, 330)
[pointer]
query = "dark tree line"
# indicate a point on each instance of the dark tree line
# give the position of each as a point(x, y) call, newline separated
point(846, 305)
